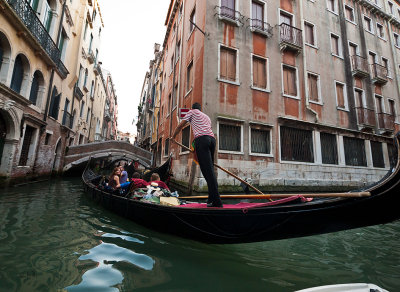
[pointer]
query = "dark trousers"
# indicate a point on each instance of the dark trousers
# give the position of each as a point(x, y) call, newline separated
point(205, 148)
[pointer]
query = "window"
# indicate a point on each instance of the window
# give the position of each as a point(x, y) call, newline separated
point(380, 31)
point(92, 89)
point(185, 138)
point(309, 33)
point(257, 13)
point(354, 151)
point(390, 7)
point(90, 43)
point(396, 40)
point(349, 13)
point(230, 136)
point(296, 145)
point(332, 5)
point(368, 24)
point(260, 69)
point(377, 154)
point(189, 77)
point(289, 81)
point(55, 103)
point(63, 44)
point(178, 51)
point(353, 49)
point(329, 148)
point(392, 151)
point(166, 147)
point(313, 87)
point(341, 95)
point(82, 109)
point(385, 63)
point(88, 115)
point(228, 8)
point(260, 139)
point(18, 75)
point(335, 45)
point(47, 139)
point(26, 145)
point(192, 20)
point(48, 16)
point(86, 78)
point(35, 87)
point(392, 108)
point(227, 64)
point(34, 4)
point(175, 94)
point(359, 97)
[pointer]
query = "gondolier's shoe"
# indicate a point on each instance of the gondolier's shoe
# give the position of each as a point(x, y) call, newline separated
point(215, 205)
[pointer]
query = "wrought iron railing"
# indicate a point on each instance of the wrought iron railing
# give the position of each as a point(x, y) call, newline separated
point(78, 92)
point(62, 69)
point(96, 69)
point(91, 56)
point(365, 116)
point(229, 13)
point(68, 120)
point(386, 121)
point(359, 63)
point(290, 35)
point(379, 72)
point(260, 26)
point(28, 16)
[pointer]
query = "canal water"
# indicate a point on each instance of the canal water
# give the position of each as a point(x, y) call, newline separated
point(52, 238)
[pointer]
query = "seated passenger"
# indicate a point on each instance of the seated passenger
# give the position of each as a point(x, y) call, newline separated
point(114, 180)
point(124, 175)
point(155, 177)
point(137, 181)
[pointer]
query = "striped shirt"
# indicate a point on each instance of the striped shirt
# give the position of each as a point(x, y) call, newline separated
point(201, 123)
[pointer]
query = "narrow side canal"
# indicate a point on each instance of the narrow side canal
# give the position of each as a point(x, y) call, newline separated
point(54, 239)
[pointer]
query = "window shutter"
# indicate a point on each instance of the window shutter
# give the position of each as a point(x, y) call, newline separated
point(340, 95)
point(223, 63)
point(231, 65)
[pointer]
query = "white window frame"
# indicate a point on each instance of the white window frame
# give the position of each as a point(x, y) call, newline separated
point(354, 15)
point(356, 45)
point(191, 85)
point(365, 26)
point(383, 103)
point(237, 81)
point(319, 89)
point(282, 11)
point(314, 34)
point(396, 40)
point(297, 82)
point(267, 128)
point(267, 89)
point(364, 100)
point(339, 45)
point(336, 7)
point(223, 120)
point(251, 11)
point(345, 96)
point(377, 31)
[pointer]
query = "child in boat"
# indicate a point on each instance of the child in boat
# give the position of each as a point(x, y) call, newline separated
point(155, 178)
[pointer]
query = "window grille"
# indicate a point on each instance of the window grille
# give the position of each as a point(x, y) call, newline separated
point(377, 154)
point(26, 145)
point(185, 138)
point(260, 141)
point(329, 148)
point(230, 137)
point(296, 145)
point(354, 151)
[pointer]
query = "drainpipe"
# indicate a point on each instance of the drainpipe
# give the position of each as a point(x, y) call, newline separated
point(305, 62)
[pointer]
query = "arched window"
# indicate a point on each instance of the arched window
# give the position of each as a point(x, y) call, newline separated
point(18, 75)
point(37, 82)
point(5, 53)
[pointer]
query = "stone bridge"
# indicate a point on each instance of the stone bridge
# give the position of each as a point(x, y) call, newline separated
point(79, 154)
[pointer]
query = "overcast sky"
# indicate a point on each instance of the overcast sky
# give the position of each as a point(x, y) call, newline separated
point(130, 30)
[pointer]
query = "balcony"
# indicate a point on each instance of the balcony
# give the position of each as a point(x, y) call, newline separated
point(359, 66)
point(365, 118)
point(68, 120)
point(229, 15)
point(29, 18)
point(91, 56)
point(290, 38)
point(379, 74)
point(261, 27)
point(96, 69)
point(78, 92)
point(386, 122)
point(62, 70)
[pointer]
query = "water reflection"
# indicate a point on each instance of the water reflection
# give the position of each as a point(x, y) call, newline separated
point(52, 239)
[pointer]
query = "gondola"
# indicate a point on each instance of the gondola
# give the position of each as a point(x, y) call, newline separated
point(244, 222)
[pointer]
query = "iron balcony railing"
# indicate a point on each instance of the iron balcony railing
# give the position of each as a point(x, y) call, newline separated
point(91, 56)
point(386, 121)
point(379, 73)
point(257, 25)
point(290, 35)
point(366, 116)
point(96, 69)
point(68, 120)
point(359, 66)
point(229, 14)
point(78, 92)
point(62, 69)
point(32, 22)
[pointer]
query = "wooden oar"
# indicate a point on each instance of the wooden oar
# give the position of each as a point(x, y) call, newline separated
point(227, 171)
point(280, 196)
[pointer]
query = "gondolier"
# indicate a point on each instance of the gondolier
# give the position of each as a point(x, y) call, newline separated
point(205, 147)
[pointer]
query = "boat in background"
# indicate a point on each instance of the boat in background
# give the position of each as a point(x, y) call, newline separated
point(252, 222)
point(353, 287)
